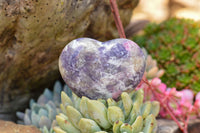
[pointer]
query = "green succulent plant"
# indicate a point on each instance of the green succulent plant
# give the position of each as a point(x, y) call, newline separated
point(130, 114)
point(42, 113)
point(175, 45)
point(152, 70)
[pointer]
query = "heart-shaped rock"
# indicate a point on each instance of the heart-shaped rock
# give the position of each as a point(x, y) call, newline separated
point(101, 69)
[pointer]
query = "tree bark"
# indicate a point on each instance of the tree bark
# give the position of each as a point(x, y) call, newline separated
point(33, 34)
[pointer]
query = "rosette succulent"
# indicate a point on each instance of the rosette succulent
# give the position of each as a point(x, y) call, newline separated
point(42, 113)
point(130, 114)
point(175, 45)
point(152, 70)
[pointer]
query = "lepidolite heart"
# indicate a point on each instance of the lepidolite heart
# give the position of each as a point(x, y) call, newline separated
point(101, 69)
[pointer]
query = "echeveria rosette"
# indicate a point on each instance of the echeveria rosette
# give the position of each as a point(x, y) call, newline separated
point(130, 114)
point(175, 45)
point(152, 70)
point(42, 113)
point(101, 69)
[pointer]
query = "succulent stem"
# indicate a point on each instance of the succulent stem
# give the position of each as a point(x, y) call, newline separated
point(182, 128)
point(115, 11)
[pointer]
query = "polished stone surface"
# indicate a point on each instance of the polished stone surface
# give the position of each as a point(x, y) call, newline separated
point(101, 69)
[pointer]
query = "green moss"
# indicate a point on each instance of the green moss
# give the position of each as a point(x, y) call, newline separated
point(175, 45)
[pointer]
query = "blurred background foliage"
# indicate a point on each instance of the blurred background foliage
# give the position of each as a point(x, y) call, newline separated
point(171, 32)
point(160, 10)
point(175, 45)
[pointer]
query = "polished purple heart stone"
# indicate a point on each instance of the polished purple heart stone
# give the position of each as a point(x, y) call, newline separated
point(101, 69)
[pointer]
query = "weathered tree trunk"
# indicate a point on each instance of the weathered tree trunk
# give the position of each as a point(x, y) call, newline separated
point(32, 35)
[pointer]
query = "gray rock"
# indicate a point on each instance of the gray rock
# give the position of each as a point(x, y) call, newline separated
point(169, 126)
point(32, 35)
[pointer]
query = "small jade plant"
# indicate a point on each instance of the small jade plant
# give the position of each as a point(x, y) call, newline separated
point(130, 114)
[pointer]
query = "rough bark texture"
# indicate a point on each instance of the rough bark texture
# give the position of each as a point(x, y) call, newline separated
point(32, 35)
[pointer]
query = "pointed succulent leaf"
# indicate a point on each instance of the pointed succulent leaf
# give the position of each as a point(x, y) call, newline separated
point(127, 103)
point(67, 90)
point(44, 121)
point(76, 101)
point(98, 112)
point(136, 108)
point(73, 115)
point(120, 104)
point(114, 114)
point(51, 104)
point(132, 118)
point(57, 87)
point(132, 93)
point(63, 116)
point(31, 102)
point(111, 102)
point(42, 112)
point(54, 123)
point(126, 128)
point(146, 109)
point(116, 126)
point(59, 130)
point(35, 119)
point(36, 107)
point(66, 125)
point(88, 126)
point(83, 107)
point(51, 130)
point(28, 112)
point(152, 72)
point(149, 124)
point(51, 110)
point(155, 108)
point(20, 115)
point(138, 97)
point(137, 125)
point(44, 129)
point(65, 99)
point(57, 92)
point(42, 100)
point(63, 109)
point(48, 94)
point(102, 101)
point(27, 120)
point(155, 127)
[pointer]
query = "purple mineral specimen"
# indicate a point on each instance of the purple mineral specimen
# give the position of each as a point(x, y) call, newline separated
point(101, 69)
